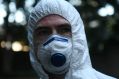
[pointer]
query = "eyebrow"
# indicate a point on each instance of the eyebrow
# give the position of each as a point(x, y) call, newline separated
point(44, 27)
point(65, 24)
point(41, 28)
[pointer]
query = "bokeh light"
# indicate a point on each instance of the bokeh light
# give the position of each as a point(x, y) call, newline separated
point(2, 44)
point(11, 18)
point(25, 48)
point(12, 6)
point(76, 2)
point(20, 17)
point(1, 21)
point(107, 10)
point(3, 12)
point(8, 45)
point(17, 46)
point(94, 24)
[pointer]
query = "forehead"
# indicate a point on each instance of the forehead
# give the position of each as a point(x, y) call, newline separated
point(52, 20)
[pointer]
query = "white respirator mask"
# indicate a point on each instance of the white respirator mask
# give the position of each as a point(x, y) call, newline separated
point(55, 54)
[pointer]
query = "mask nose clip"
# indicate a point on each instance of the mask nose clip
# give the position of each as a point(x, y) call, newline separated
point(58, 59)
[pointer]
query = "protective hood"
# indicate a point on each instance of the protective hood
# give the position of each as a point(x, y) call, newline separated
point(80, 67)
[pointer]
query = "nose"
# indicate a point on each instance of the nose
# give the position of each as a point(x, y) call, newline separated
point(54, 31)
point(58, 59)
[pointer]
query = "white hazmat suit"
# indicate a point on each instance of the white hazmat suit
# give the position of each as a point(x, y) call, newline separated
point(80, 64)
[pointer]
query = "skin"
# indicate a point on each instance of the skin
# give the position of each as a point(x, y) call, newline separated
point(47, 26)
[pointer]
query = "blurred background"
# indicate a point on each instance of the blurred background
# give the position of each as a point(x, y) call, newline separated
point(101, 20)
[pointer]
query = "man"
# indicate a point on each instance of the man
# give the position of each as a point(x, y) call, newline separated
point(58, 43)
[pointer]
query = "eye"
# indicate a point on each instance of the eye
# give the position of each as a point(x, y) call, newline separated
point(42, 33)
point(64, 30)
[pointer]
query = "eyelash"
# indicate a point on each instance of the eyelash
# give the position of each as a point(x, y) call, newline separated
point(64, 30)
point(44, 32)
point(48, 31)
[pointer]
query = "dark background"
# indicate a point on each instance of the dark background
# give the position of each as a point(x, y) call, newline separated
point(102, 35)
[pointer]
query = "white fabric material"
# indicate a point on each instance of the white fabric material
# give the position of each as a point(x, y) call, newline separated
point(80, 67)
point(53, 47)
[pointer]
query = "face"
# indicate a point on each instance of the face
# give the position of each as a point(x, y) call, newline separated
point(48, 26)
point(51, 25)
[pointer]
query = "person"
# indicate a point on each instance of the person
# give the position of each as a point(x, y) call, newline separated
point(58, 43)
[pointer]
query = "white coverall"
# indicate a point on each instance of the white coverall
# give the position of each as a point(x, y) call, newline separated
point(80, 67)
